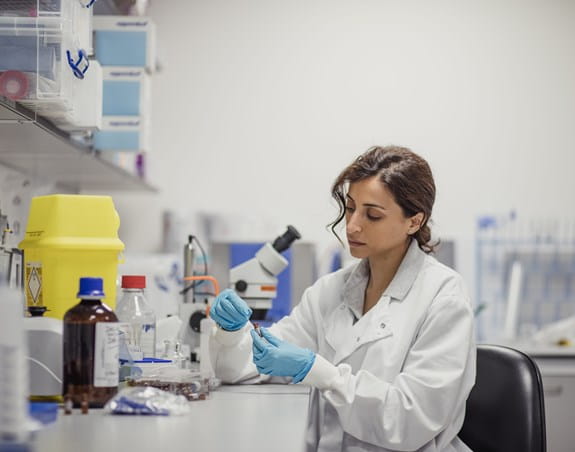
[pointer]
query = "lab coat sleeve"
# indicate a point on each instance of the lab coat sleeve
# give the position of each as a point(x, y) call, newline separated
point(231, 351)
point(411, 410)
point(299, 328)
point(231, 355)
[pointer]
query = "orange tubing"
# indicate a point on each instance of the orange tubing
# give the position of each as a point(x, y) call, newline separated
point(213, 280)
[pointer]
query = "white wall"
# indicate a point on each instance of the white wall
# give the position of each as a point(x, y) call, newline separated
point(260, 103)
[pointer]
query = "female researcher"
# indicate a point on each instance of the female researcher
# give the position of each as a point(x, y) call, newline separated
point(386, 344)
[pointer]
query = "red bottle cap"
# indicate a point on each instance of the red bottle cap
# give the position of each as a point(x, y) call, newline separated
point(133, 282)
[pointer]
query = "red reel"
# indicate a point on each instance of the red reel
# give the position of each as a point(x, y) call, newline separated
point(14, 85)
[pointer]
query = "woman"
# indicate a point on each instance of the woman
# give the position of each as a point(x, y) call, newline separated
point(386, 344)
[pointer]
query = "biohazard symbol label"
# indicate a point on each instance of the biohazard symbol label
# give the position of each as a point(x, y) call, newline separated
point(33, 284)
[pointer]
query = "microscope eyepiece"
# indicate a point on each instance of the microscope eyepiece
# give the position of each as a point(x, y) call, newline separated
point(284, 241)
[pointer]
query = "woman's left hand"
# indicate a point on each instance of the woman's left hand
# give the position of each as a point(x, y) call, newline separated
point(272, 356)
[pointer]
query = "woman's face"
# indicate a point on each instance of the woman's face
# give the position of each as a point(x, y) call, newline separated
point(375, 224)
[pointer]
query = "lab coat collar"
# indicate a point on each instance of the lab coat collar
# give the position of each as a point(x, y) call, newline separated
point(406, 273)
point(354, 288)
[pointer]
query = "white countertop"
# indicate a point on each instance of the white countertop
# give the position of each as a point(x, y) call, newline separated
point(235, 418)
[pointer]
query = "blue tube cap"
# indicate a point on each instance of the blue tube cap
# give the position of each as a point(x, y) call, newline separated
point(91, 287)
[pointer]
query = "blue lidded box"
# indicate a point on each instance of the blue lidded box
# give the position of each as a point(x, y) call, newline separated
point(126, 91)
point(125, 41)
point(122, 133)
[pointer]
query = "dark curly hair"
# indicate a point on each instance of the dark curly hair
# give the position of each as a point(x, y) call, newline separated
point(405, 174)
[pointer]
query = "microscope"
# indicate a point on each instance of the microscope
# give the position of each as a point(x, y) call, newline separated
point(192, 308)
point(255, 280)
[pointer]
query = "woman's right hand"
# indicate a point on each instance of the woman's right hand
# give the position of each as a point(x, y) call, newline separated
point(229, 311)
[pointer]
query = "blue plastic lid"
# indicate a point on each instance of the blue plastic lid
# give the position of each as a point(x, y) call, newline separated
point(91, 287)
point(153, 360)
point(44, 412)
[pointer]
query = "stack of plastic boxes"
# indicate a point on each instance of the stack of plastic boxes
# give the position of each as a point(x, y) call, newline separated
point(44, 49)
point(125, 47)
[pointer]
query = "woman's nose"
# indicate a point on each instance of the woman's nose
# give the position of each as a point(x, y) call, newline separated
point(353, 224)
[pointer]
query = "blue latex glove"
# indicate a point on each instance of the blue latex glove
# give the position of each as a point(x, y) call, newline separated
point(229, 311)
point(272, 356)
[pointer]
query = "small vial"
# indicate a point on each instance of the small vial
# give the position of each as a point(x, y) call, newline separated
point(84, 404)
point(68, 404)
point(256, 326)
point(167, 346)
point(178, 358)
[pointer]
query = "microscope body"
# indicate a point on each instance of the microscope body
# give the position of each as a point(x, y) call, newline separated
point(256, 279)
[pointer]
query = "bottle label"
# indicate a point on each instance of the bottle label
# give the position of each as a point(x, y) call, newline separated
point(106, 354)
point(128, 337)
point(140, 339)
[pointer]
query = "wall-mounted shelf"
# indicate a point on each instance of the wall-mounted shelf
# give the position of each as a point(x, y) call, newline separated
point(34, 146)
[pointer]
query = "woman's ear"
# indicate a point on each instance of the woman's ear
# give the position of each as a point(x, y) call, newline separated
point(415, 223)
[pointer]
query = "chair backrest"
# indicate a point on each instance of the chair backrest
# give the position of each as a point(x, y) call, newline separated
point(505, 410)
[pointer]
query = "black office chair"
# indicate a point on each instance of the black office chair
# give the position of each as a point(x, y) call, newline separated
point(505, 410)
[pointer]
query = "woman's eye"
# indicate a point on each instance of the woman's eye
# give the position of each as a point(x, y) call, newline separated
point(349, 209)
point(373, 217)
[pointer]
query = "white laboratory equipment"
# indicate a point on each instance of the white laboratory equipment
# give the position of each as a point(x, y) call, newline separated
point(256, 279)
point(194, 302)
point(13, 371)
point(44, 336)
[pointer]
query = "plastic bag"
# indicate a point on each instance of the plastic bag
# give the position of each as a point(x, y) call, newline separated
point(176, 381)
point(147, 401)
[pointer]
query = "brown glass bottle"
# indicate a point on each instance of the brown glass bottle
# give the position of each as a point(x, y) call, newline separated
point(91, 341)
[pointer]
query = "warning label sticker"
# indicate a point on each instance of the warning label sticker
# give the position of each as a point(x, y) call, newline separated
point(34, 284)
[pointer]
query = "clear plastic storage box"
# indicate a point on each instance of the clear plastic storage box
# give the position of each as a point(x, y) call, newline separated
point(41, 68)
point(68, 16)
point(86, 113)
point(42, 64)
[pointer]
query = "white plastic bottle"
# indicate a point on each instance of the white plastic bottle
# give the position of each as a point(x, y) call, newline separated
point(14, 389)
point(137, 317)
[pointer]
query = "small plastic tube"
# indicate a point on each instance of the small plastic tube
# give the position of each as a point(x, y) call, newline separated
point(257, 328)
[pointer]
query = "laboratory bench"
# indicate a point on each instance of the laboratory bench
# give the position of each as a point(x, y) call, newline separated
point(255, 418)
point(239, 418)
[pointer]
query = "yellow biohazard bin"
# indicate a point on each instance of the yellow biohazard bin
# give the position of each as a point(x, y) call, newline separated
point(68, 237)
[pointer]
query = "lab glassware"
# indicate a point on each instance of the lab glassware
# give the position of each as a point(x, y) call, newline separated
point(91, 347)
point(137, 316)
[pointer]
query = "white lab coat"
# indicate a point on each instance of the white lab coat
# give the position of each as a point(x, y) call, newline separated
point(394, 379)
